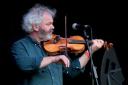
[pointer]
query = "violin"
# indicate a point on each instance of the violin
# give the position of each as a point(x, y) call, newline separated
point(74, 44)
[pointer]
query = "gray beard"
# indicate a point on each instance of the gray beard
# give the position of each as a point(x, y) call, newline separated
point(44, 36)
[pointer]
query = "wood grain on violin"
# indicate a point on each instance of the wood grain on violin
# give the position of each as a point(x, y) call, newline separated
point(57, 44)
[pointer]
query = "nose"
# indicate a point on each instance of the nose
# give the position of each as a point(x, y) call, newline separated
point(52, 26)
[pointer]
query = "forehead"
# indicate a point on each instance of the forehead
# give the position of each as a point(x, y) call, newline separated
point(47, 16)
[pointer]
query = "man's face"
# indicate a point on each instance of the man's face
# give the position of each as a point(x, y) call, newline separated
point(46, 26)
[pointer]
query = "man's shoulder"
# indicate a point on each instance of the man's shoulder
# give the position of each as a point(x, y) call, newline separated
point(22, 40)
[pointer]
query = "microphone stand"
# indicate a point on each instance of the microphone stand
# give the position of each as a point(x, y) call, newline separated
point(93, 68)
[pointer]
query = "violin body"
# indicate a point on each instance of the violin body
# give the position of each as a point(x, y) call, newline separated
point(73, 44)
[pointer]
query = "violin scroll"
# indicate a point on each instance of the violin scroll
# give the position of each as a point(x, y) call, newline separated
point(107, 45)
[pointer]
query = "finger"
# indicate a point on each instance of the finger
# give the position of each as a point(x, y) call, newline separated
point(101, 41)
point(64, 60)
point(68, 63)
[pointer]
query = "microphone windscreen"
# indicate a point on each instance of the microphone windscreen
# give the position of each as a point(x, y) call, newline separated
point(74, 26)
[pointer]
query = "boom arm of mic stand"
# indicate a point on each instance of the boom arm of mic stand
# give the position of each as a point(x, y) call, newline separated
point(93, 68)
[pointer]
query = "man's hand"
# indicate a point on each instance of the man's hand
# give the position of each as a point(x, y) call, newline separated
point(62, 59)
point(97, 44)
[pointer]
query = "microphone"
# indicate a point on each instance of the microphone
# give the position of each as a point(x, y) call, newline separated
point(76, 26)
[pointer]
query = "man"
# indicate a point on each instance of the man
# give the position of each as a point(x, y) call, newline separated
point(31, 58)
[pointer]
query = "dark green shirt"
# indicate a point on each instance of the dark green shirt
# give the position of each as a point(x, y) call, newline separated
point(28, 55)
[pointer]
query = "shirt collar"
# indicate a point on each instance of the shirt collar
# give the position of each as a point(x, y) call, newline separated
point(33, 40)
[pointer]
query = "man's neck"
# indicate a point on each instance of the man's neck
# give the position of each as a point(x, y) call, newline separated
point(35, 37)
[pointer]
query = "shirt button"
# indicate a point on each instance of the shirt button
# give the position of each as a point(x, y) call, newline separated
point(67, 72)
point(52, 78)
point(77, 68)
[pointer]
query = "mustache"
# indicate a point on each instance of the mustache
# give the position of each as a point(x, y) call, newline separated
point(45, 33)
point(51, 30)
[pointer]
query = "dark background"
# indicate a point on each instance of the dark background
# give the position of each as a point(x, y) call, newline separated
point(107, 19)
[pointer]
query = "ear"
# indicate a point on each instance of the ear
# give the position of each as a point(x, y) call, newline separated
point(35, 27)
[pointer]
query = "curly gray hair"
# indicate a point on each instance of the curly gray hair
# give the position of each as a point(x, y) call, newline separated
point(35, 16)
